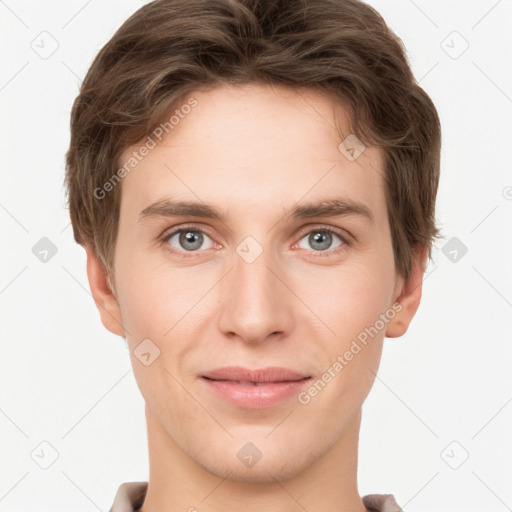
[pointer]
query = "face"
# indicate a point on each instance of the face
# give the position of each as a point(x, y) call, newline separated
point(270, 282)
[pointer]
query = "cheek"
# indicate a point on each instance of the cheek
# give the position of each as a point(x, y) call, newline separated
point(163, 304)
point(347, 300)
point(153, 296)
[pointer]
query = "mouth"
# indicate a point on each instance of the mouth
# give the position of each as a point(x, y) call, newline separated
point(253, 383)
point(258, 376)
point(254, 389)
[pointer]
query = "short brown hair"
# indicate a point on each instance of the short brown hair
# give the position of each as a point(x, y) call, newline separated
point(170, 48)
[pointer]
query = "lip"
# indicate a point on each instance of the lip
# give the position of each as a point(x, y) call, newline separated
point(269, 386)
point(269, 374)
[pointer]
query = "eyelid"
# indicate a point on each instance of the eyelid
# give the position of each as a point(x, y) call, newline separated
point(342, 233)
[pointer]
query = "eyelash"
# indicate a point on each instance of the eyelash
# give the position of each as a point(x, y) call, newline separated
point(316, 254)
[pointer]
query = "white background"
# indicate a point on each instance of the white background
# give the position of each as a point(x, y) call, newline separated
point(67, 381)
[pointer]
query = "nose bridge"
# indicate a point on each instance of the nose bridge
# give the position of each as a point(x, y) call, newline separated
point(255, 303)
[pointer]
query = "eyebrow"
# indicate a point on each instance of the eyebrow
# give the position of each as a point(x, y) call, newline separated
point(324, 208)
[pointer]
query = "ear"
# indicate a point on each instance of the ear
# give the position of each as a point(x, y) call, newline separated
point(103, 296)
point(408, 295)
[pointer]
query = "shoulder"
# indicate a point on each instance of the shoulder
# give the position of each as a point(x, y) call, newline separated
point(381, 503)
point(129, 497)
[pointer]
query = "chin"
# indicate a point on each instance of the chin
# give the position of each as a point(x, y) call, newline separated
point(265, 474)
point(267, 470)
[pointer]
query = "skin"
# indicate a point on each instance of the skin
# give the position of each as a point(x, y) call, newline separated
point(254, 152)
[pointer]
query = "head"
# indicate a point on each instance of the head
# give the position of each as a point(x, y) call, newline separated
point(265, 114)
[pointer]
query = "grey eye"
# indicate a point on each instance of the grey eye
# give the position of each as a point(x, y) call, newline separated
point(321, 239)
point(189, 240)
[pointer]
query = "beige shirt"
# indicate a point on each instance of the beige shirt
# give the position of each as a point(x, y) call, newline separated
point(130, 496)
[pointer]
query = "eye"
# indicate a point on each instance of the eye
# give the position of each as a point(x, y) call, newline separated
point(192, 239)
point(321, 240)
point(188, 239)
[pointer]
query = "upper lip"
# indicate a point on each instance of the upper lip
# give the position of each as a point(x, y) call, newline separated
point(270, 374)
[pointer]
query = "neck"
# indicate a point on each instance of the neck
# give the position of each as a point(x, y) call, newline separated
point(178, 483)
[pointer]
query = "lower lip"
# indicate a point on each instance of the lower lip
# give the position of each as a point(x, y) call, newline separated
point(255, 397)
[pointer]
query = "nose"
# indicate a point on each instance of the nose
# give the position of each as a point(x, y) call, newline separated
point(256, 303)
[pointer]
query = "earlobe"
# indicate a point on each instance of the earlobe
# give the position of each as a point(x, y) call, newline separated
point(408, 295)
point(103, 295)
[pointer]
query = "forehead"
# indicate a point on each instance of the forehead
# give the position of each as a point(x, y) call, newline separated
point(253, 145)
